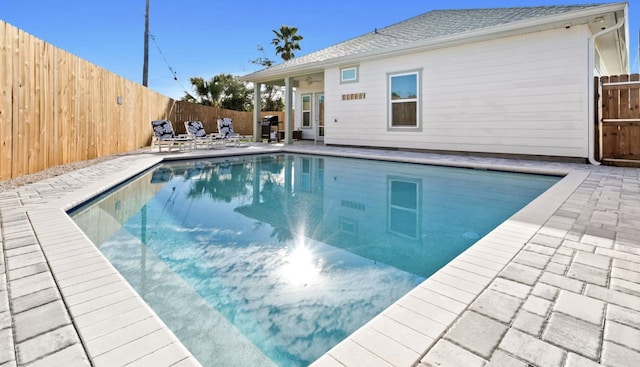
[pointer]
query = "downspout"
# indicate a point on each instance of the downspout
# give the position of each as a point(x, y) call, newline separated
point(592, 114)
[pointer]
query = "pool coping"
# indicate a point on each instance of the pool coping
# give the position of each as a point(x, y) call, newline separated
point(107, 314)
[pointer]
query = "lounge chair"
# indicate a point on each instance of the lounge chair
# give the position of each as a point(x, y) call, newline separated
point(225, 128)
point(163, 134)
point(195, 130)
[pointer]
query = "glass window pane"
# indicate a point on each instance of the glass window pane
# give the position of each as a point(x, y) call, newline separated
point(404, 194)
point(349, 74)
point(404, 114)
point(404, 86)
point(306, 103)
point(306, 119)
point(403, 222)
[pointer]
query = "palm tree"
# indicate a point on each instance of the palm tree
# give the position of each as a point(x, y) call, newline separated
point(223, 90)
point(286, 40)
point(207, 92)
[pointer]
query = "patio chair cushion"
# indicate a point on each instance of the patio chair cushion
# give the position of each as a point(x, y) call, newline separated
point(195, 128)
point(225, 127)
point(163, 130)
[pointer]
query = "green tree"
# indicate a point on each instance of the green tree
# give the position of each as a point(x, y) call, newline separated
point(272, 98)
point(223, 182)
point(271, 95)
point(235, 96)
point(223, 90)
point(205, 92)
point(286, 41)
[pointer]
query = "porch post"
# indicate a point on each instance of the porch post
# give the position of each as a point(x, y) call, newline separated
point(288, 110)
point(257, 132)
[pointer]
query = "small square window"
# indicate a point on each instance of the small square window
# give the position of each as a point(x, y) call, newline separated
point(349, 75)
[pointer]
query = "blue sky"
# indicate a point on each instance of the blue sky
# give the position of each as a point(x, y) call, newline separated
point(206, 37)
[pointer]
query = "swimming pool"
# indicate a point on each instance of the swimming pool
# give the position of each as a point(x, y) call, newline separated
point(272, 260)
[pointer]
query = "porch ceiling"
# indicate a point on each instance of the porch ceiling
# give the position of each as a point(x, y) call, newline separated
point(315, 76)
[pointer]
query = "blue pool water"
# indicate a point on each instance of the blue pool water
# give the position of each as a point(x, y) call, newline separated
point(273, 260)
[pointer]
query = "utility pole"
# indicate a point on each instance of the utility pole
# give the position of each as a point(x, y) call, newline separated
point(145, 66)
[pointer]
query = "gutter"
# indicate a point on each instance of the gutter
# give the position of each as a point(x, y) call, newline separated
point(590, 63)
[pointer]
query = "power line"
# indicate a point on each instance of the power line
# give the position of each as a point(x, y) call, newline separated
point(171, 69)
point(173, 72)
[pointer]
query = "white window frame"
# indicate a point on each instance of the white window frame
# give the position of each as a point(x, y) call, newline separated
point(415, 211)
point(348, 226)
point(356, 77)
point(310, 111)
point(417, 100)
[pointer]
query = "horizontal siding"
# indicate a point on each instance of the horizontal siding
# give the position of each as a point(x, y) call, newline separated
point(522, 95)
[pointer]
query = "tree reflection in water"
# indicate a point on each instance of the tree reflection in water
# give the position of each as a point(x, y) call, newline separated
point(261, 177)
point(222, 182)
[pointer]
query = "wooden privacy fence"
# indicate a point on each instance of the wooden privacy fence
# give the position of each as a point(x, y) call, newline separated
point(56, 108)
point(619, 118)
point(242, 120)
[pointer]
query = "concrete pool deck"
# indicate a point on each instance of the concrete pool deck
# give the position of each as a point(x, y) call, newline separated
point(558, 284)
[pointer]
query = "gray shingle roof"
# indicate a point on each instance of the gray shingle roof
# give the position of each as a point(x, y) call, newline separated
point(431, 25)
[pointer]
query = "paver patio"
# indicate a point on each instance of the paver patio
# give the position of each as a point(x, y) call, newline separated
point(558, 284)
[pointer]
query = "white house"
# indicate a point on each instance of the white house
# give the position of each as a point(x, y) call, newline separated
point(507, 80)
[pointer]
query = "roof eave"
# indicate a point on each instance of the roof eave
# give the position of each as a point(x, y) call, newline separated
point(509, 29)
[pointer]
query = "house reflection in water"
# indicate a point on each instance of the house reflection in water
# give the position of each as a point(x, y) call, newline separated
point(264, 260)
point(412, 217)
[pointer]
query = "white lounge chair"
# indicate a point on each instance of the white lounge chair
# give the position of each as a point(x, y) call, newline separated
point(225, 128)
point(195, 130)
point(163, 134)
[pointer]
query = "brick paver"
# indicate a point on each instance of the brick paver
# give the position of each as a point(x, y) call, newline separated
point(559, 289)
point(532, 350)
point(581, 307)
point(574, 335)
point(497, 305)
point(477, 333)
point(445, 353)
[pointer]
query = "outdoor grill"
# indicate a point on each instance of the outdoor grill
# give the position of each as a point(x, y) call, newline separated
point(268, 124)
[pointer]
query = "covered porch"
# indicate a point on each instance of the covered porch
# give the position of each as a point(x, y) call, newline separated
point(310, 113)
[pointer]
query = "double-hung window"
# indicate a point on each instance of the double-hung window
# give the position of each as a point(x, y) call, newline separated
point(404, 207)
point(306, 111)
point(404, 100)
